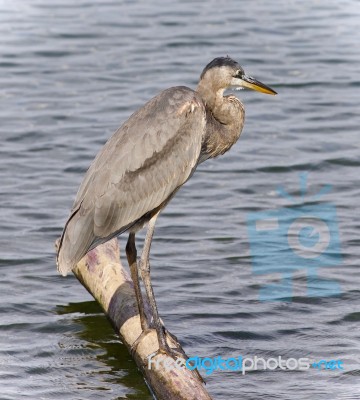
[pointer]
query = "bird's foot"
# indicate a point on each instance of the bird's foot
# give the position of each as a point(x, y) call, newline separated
point(177, 354)
point(148, 327)
point(172, 336)
point(138, 340)
point(174, 352)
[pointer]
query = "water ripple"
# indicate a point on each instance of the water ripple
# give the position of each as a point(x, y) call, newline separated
point(71, 73)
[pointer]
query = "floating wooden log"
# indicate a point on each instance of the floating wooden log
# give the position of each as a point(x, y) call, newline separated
point(103, 275)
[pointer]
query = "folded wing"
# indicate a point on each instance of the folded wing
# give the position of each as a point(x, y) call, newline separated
point(138, 169)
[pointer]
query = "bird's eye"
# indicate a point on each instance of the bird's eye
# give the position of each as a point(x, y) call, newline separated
point(239, 73)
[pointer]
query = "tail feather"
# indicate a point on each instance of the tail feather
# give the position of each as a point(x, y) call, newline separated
point(76, 240)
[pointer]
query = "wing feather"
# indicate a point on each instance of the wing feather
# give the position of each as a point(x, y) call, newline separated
point(137, 170)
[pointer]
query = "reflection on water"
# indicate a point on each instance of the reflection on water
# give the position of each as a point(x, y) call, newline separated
point(70, 74)
point(99, 361)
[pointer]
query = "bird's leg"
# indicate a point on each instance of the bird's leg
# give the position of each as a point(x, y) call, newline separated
point(131, 255)
point(160, 329)
point(145, 275)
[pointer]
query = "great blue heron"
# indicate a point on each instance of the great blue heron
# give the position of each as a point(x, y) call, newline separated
point(144, 164)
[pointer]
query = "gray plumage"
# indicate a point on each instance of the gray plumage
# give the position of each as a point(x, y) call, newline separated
point(151, 156)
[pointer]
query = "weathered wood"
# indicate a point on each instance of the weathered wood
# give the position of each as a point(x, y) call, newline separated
point(102, 274)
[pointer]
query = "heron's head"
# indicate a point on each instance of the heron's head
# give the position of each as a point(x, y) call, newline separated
point(223, 73)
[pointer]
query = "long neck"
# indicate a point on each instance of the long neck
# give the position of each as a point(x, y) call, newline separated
point(225, 120)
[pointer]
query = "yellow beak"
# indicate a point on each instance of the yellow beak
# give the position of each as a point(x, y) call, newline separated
point(251, 83)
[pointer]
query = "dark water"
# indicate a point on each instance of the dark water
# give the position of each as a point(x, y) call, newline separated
point(70, 74)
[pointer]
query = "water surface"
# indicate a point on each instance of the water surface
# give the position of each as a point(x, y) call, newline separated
point(70, 74)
